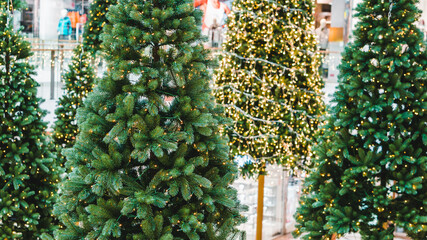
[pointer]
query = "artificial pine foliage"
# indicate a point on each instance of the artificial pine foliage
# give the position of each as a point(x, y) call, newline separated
point(95, 24)
point(27, 170)
point(13, 4)
point(78, 82)
point(149, 162)
point(370, 173)
point(269, 83)
point(320, 187)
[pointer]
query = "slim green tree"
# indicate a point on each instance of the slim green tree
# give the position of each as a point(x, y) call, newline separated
point(27, 170)
point(269, 82)
point(78, 82)
point(320, 187)
point(96, 22)
point(80, 78)
point(149, 162)
point(371, 172)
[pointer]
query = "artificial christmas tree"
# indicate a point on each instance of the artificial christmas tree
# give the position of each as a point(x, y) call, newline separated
point(149, 162)
point(371, 169)
point(268, 81)
point(96, 22)
point(78, 82)
point(27, 170)
point(320, 187)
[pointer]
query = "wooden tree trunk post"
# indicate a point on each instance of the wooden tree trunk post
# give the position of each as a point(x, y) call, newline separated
point(260, 207)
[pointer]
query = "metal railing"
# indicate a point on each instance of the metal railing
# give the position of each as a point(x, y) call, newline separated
point(50, 59)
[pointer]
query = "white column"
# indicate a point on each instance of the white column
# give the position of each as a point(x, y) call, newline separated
point(423, 18)
point(336, 44)
point(423, 6)
point(337, 13)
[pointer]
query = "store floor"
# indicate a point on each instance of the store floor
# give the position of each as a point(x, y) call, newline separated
point(349, 237)
point(290, 237)
point(286, 237)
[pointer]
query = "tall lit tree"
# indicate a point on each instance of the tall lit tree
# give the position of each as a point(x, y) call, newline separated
point(268, 81)
point(371, 172)
point(149, 162)
point(27, 170)
point(95, 24)
point(78, 82)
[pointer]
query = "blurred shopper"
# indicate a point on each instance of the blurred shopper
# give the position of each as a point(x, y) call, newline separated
point(322, 33)
point(64, 26)
point(214, 14)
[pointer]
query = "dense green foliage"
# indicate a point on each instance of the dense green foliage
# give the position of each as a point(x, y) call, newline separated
point(95, 24)
point(270, 84)
point(370, 174)
point(27, 170)
point(149, 162)
point(78, 82)
point(13, 4)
